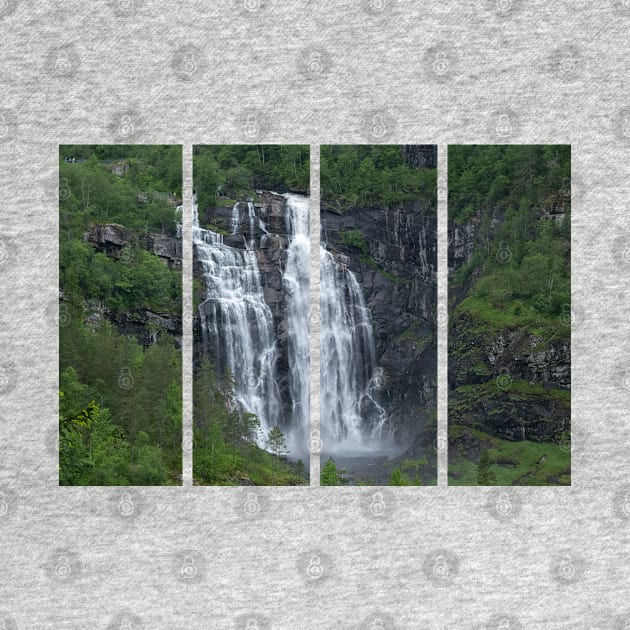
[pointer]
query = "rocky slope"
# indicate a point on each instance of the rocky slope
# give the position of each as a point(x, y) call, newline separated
point(393, 254)
point(505, 381)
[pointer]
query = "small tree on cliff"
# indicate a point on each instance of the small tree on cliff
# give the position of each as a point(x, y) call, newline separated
point(485, 475)
point(277, 446)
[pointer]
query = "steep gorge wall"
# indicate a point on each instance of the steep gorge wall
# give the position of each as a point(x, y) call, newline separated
point(393, 252)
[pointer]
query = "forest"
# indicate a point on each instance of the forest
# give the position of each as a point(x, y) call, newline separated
point(372, 176)
point(229, 172)
point(119, 394)
point(510, 314)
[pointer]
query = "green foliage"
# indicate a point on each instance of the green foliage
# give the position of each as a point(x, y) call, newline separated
point(330, 475)
point(523, 273)
point(398, 478)
point(235, 170)
point(354, 238)
point(372, 175)
point(225, 449)
point(514, 463)
point(485, 476)
point(120, 403)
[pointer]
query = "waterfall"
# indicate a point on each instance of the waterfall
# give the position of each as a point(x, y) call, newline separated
point(236, 321)
point(351, 417)
point(296, 284)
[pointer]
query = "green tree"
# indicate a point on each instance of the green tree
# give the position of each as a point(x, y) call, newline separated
point(485, 474)
point(330, 474)
point(277, 445)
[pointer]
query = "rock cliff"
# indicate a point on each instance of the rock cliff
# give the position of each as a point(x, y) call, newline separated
point(505, 381)
point(393, 252)
point(116, 242)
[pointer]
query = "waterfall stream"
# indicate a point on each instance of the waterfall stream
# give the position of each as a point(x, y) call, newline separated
point(351, 417)
point(237, 322)
point(296, 284)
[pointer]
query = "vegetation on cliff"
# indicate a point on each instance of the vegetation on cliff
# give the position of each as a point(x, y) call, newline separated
point(372, 176)
point(510, 313)
point(224, 173)
point(120, 402)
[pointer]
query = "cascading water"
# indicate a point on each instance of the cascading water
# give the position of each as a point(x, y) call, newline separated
point(351, 417)
point(237, 322)
point(296, 284)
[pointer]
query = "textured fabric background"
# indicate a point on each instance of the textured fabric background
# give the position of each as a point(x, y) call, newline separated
point(304, 72)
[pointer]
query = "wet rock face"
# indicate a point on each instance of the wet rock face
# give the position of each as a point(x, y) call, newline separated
point(393, 254)
point(270, 241)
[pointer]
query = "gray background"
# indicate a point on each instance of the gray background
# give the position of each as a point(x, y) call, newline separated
point(305, 72)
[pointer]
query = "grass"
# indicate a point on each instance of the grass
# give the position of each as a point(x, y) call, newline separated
point(229, 471)
point(518, 464)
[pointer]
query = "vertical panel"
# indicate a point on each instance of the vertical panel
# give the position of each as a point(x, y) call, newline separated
point(378, 314)
point(120, 315)
point(509, 315)
point(251, 295)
